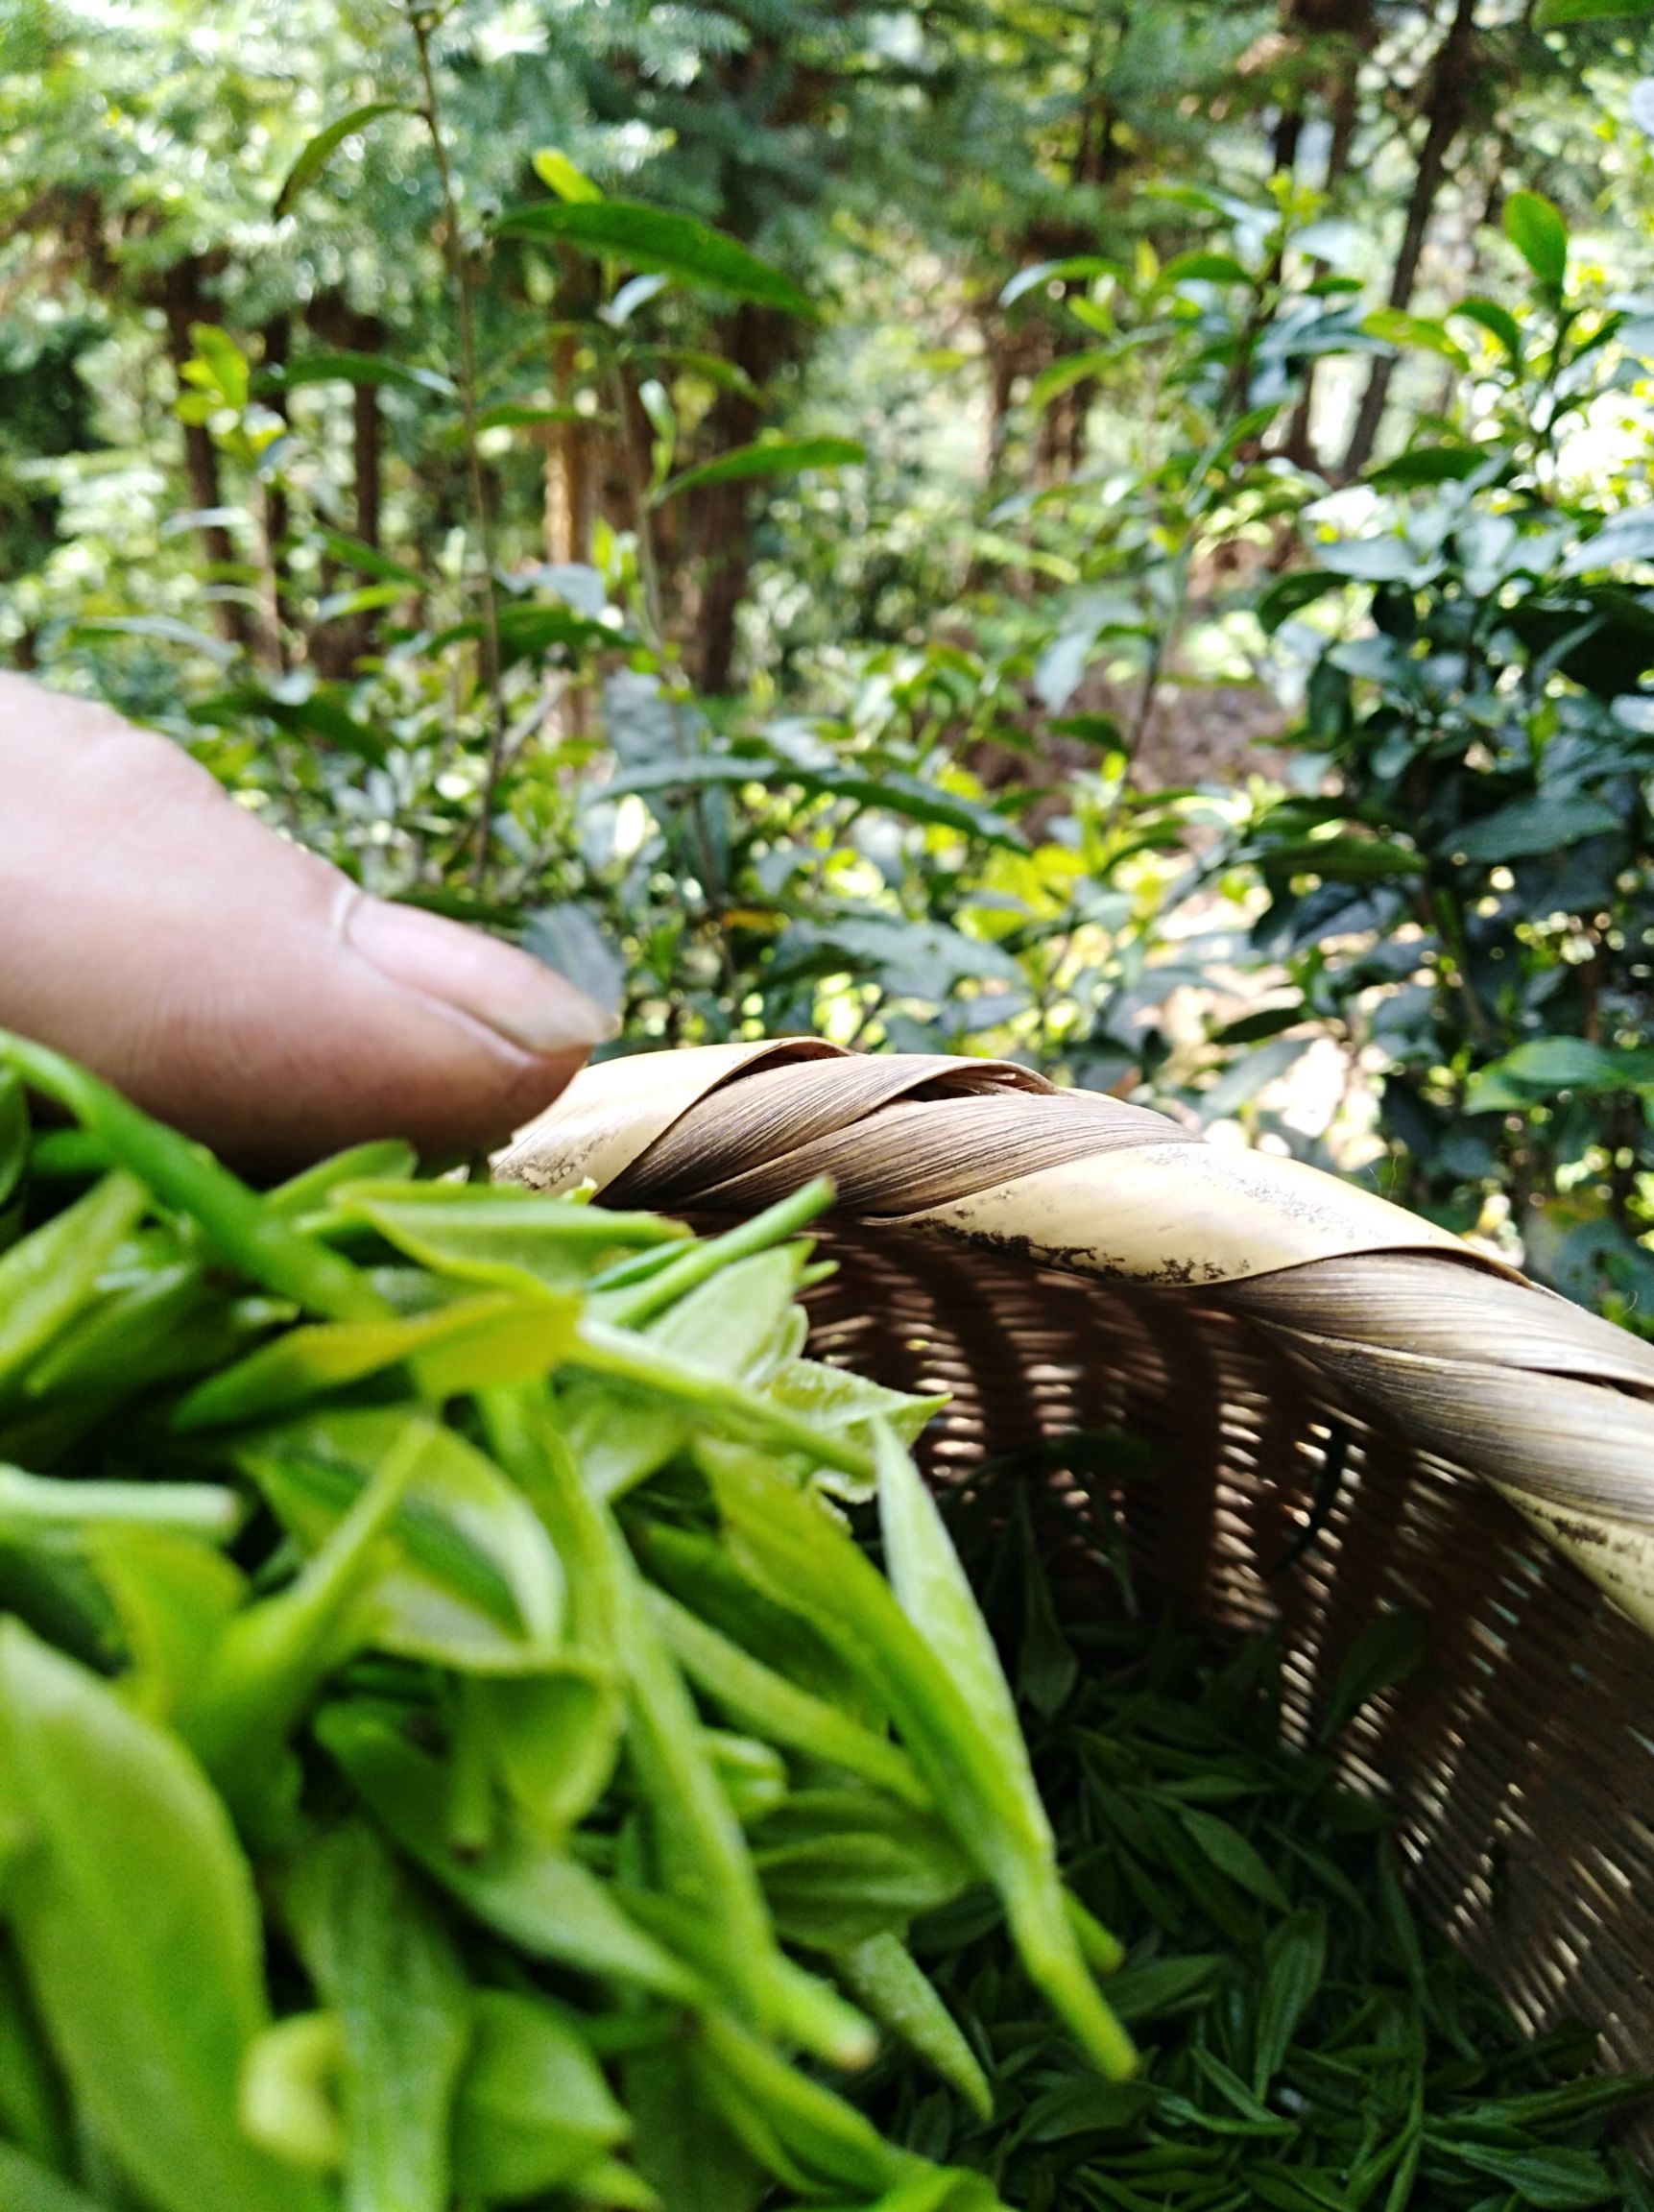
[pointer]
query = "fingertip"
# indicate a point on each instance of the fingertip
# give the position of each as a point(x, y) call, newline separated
point(238, 986)
point(508, 990)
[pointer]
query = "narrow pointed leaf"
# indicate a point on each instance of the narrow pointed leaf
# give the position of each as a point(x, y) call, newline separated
point(316, 155)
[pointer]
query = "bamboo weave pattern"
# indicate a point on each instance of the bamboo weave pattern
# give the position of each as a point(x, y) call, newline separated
point(1467, 1360)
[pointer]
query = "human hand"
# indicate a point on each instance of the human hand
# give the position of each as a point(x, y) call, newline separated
point(237, 985)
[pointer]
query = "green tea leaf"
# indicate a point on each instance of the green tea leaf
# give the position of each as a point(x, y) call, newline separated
point(808, 2137)
point(634, 1290)
point(607, 2183)
point(320, 151)
point(1525, 827)
point(1426, 465)
point(553, 1739)
point(233, 1220)
point(472, 1343)
point(769, 456)
point(1294, 1960)
point(751, 1774)
point(266, 1666)
point(559, 175)
point(534, 2110)
point(170, 1324)
point(1145, 1992)
point(1047, 1665)
point(701, 1854)
point(1084, 2107)
point(288, 2104)
point(503, 1236)
point(651, 238)
point(841, 1865)
point(28, 2187)
point(1539, 234)
point(533, 1895)
point(685, 2148)
point(1343, 860)
point(136, 1916)
point(385, 1157)
point(1015, 1844)
point(711, 1401)
point(34, 2106)
point(342, 366)
point(776, 1709)
point(1386, 1651)
point(1233, 1857)
point(737, 1325)
point(881, 1974)
point(1206, 269)
point(1498, 323)
point(14, 1132)
point(953, 1721)
point(842, 1400)
point(1400, 329)
point(704, 1576)
point(1042, 274)
point(47, 1278)
point(1556, 2179)
point(37, 1505)
point(472, 1577)
point(382, 1961)
point(1556, 14)
point(174, 1597)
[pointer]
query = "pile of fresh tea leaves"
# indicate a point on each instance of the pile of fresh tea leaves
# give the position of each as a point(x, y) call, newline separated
point(485, 1721)
point(1305, 2042)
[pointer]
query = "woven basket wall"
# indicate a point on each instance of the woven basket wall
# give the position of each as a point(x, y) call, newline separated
point(1064, 1263)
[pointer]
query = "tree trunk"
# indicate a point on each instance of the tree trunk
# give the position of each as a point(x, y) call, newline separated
point(567, 468)
point(569, 512)
point(368, 336)
point(570, 476)
point(1284, 158)
point(1344, 111)
point(275, 520)
point(1352, 34)
point(1288, 132)
point(1004, 353)
point(338, 645)
point(1010, 352)
point(1446, 99)
point(718, 533)
point(367, 442)
point(183, 302)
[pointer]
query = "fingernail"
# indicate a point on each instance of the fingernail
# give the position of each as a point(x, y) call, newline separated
point(516, 995)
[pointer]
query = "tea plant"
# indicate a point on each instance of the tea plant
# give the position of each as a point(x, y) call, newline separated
point(1469, 903)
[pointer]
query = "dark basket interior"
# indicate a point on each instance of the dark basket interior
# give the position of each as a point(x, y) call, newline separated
point(1519, 1757)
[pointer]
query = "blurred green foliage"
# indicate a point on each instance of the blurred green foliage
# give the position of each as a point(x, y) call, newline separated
point(1117, 535)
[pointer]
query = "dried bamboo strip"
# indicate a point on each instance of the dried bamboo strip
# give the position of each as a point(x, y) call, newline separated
point(612, 1112)
point(776, 1112)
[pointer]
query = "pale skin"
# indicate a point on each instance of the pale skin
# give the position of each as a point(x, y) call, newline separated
point(236, 985)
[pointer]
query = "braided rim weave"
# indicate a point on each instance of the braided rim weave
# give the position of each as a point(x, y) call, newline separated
point(1470, 1361)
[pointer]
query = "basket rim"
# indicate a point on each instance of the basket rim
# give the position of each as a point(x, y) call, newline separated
point(1475, 1365)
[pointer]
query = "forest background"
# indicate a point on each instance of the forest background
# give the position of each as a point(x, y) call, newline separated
point(1116, 532)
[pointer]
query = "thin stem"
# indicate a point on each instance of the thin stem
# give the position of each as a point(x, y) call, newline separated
point(630, 1307)
point(654, 617)
point(1163, 644)
point(421, 22)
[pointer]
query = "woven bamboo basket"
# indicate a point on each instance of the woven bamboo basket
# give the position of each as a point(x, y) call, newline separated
point(1065, 1263)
